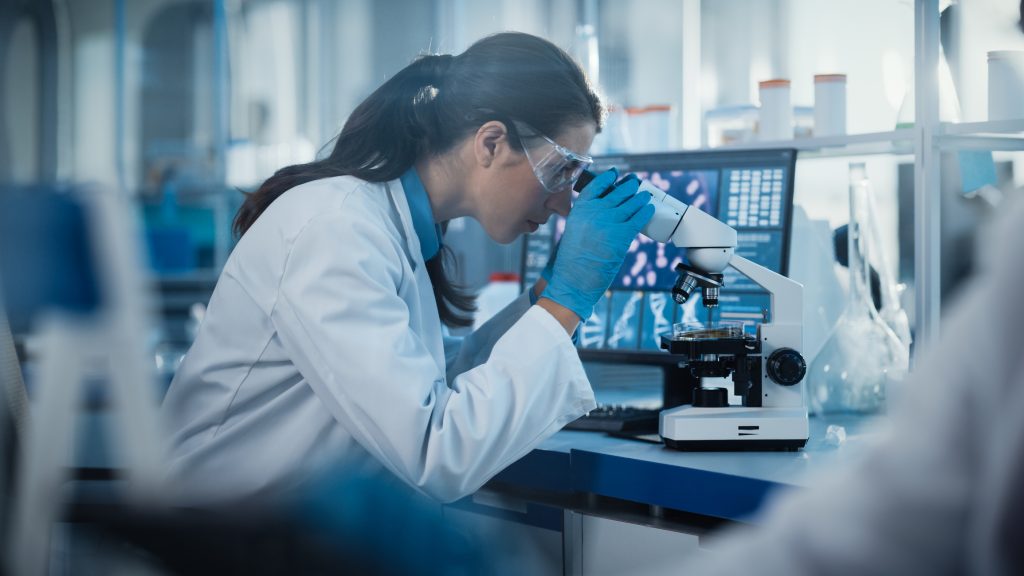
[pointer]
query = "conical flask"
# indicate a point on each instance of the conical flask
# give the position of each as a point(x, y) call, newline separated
point(891, 312)
point(862, 356)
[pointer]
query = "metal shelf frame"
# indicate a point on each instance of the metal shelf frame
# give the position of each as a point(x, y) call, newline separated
point(927, 201)
point(896, 142)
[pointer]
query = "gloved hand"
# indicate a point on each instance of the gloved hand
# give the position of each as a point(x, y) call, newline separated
point(601, 225)
point(545, 277)
point(550, 266)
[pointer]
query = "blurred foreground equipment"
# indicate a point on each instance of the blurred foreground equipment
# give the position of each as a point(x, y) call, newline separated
point(70, 276)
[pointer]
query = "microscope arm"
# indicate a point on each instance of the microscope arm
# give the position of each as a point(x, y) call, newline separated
point(786, 295)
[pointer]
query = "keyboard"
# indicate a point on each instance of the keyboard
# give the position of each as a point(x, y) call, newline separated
point(616, 418)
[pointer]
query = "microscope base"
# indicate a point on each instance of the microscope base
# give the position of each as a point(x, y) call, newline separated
point(734, 428)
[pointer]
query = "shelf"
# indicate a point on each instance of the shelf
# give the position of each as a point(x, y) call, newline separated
point(1005, 127)
point(1005, 135)
point(897, 142)
point(1001, 135)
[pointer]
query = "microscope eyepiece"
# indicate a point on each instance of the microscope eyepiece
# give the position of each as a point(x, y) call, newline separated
point(585, 177)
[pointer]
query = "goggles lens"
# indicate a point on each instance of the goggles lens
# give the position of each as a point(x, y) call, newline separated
point(557, 168)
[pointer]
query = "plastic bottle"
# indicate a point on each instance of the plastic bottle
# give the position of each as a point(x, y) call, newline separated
point(776, 110)
point(501, 289)
point(829, 104)
point(1005, 83)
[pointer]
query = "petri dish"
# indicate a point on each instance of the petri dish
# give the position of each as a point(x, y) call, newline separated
point(701, 331)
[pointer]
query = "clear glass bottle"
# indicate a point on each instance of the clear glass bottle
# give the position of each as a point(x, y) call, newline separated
point(862, 356)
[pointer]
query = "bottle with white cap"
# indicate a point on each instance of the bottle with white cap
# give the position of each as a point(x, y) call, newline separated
point(1005, 85)
point(829, 104)
point(776, 121)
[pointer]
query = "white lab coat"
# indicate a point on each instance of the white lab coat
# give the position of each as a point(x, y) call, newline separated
point(943, 491)
point(322, 340)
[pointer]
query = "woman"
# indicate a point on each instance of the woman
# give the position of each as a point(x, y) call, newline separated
point(323, 338)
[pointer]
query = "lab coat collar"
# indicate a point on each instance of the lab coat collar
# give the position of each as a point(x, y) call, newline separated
point(427, 230)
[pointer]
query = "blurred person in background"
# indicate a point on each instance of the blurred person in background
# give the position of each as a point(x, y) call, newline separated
point(941, 491)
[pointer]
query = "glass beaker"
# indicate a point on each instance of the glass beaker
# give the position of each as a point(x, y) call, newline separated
point(862, 356)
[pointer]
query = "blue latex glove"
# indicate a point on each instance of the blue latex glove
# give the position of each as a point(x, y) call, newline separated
point(545, 275)
point(546, 272)
point(600, 227)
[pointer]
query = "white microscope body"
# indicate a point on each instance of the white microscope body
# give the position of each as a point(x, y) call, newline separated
point(775, 417)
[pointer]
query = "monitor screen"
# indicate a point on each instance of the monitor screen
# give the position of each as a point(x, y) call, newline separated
point(751, 190)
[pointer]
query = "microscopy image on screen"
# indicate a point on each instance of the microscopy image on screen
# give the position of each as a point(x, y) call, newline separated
point(623, 330)
point(650, 265)
point(750, 308)
point(593, 331)
point(658, 313)
point(693, 310)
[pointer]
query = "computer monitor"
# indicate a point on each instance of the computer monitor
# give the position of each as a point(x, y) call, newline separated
point(751, 190)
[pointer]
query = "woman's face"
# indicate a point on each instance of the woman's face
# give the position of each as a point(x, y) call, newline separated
point(517, 203)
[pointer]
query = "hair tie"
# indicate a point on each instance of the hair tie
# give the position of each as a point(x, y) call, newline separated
point(432, 70)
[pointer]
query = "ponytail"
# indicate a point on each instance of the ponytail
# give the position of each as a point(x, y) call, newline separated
point(427, 108)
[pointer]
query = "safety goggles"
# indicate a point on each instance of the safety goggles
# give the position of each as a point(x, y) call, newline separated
point(556, 166)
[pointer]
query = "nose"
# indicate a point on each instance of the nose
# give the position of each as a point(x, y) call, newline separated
point(559, 202)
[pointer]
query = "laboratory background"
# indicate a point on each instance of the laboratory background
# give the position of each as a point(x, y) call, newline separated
point(861, 149)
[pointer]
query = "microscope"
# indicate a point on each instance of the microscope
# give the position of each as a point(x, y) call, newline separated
point(767, 369)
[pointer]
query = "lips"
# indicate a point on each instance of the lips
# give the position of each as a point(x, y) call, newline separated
point(535, 223)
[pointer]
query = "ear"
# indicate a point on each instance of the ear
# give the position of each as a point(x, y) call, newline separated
point(490, 143)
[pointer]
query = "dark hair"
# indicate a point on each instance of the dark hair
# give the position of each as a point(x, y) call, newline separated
point(431, 105)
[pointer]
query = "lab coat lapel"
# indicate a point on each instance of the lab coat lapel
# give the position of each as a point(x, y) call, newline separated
point(428, 317)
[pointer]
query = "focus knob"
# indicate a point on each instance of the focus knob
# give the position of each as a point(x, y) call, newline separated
point(710, 398)
point(786, 366)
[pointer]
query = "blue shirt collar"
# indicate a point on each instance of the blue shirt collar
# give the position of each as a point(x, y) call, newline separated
point(427, 230)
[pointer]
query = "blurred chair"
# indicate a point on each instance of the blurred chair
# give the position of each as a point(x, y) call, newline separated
point(70, 274)
point(13, 421)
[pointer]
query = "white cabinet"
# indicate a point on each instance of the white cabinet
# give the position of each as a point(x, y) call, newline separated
point(522, 537)
point(610, 547)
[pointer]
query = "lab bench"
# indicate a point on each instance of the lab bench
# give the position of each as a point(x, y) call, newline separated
point(591, 503)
